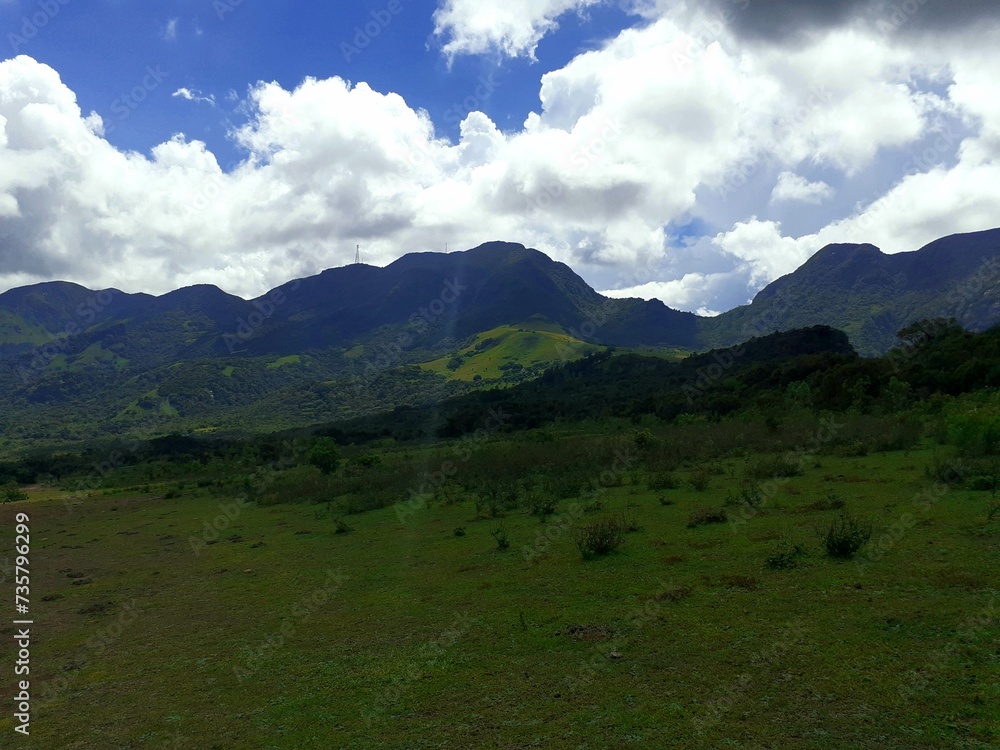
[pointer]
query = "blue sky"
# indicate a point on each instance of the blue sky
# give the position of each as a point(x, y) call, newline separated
point(691, 152)
point(103, 50)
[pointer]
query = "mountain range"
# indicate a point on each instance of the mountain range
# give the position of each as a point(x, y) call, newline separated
point(354, 339)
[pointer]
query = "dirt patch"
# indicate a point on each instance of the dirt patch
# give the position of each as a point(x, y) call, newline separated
point(675, 595)
point(747, 583)
point(588, 633)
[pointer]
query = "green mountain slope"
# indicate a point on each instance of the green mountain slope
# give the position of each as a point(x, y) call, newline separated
point(75, 363)
point(511, 353)
point(871, 295)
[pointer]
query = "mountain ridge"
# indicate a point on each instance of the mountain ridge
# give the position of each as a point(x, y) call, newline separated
point(871, 295)
point(356, 339)
point(856, 287)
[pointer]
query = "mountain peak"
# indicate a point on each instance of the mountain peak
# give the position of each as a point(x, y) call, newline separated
point(844, 251)
point(872, 294)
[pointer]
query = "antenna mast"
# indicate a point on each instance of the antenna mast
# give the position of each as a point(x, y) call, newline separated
point(357, 256)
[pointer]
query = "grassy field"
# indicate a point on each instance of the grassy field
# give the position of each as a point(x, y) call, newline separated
point(532, 344)
point(401, 633)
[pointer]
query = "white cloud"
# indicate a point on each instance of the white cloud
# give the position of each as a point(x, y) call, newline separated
point(512, 27)
point(626, 142)
point(193, 95)
point(170, 30)
point(687, 293)
point(795, 188)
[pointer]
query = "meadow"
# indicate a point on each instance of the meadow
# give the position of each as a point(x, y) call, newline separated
point(450, 594)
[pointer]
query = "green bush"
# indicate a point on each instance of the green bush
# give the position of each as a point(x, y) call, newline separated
point(772, 467)
point(700, 479)
point(846, 535)
point(749, 494)
point(541, 505)
point(662, 480)
point(948, 471)
point(642, 438)
point(324, 455)
point(785, 556)
point(601, 537)
point(976, 430)
point(704, 516)
point(830, 502)
point(12, 495)
point(564, 486)
point(499, 534)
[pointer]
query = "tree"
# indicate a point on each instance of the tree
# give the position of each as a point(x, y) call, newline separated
point(915, 335)
point(324, 455)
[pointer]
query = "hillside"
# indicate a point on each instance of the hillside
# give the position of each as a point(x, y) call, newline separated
point(77, 363)
point(871, 295)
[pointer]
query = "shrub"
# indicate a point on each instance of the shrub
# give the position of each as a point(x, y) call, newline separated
point(772, 467)
point(564, 486)
point(324, 455)
point(460, 531)
point(700, 479)
point(12, 495)
point(976, 431)
point(499, 534)
point(943, 470)
point(749, 494)
point(665, 501)
point(846, 535)
point(705, 516)
point(830, 502)
point(541, 505)
point(359, 464)
point(449, 493)
point(629, 524)
point(340, 527)
point(662, 480)
point(497, 497)
point(785, 556)
point(601, 537)
point(642, 438)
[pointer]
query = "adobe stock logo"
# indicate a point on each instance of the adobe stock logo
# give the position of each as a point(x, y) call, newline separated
point(32, 25)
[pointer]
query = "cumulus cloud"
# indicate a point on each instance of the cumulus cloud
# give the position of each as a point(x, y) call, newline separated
point(628, 141)
point(781, 20)
point(513, 27)
point(687, 293)
point(793, 188)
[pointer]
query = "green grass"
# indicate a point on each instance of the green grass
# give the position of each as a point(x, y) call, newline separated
point(530, 345)
point(15, 330)
point(293, 359)
point(150, 403)
point(681, 638)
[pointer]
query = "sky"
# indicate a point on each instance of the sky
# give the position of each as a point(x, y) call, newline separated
point(691, 152)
